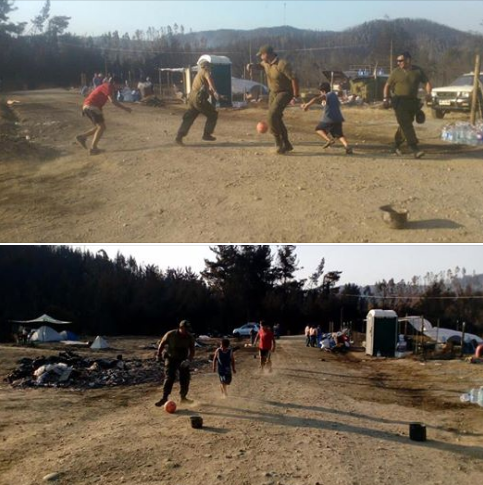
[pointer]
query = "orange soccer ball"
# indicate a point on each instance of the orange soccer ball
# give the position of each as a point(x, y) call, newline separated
point(170, 407)
point(262, 127)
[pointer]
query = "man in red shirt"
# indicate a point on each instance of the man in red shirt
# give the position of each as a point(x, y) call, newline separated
point(92, 108)
point(267, 345)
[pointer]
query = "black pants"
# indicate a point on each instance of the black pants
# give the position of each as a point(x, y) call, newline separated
point(406, 109)
point(171, 367)
point(277, 102)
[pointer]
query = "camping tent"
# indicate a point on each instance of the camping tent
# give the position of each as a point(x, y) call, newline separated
point(43, 319)
point(100, 343)
point(68, 335)
point(45, 334)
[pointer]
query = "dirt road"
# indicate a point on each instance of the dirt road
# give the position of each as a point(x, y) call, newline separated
point(317, 418)
point(144, 188)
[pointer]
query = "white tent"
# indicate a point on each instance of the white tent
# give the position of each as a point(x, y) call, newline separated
point(100, 343)
point(441, 334)
point(45, 334)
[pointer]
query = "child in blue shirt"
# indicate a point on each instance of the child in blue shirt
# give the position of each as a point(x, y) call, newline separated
point(224, 362)
point(330, 126)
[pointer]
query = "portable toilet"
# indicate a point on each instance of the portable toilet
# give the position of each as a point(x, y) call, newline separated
point(221, 74)
point(381, 333)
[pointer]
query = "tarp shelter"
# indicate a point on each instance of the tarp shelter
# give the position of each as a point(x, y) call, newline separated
point(100, 343)
point(43, 319)
point(440, 335)
point(45, 334)
point(247, 87)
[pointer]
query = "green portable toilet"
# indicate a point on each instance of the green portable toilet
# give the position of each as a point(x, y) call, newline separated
point(221, 74)
point(381, 333)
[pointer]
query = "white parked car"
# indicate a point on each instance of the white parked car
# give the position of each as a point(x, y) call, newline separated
point(455, 97)
point(244, 330)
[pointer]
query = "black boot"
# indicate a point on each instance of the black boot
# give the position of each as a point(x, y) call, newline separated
point(280, 150)
point(161, 402)
point(288, 146)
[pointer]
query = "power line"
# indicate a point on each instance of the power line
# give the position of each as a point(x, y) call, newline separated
point(397, 297)
point(150, 51)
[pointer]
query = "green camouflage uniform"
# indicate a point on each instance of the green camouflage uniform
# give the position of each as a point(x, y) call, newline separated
point(198, 102)
point(177, 349)
point(279, 75)
point(405, 84)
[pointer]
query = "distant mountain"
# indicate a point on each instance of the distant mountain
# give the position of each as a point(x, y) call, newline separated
point(443, 51)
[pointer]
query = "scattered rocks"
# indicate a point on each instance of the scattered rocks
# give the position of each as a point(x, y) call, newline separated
point(69, 369)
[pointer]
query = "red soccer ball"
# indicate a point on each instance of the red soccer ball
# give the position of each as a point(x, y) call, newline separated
point(170, 407)
point(262, 127)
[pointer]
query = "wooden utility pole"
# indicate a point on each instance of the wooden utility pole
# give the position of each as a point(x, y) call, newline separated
point(463, 338)
point(476, 89)
point(390, 59)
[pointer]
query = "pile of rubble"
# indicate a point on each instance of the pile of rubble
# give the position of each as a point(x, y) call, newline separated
point(69, 369)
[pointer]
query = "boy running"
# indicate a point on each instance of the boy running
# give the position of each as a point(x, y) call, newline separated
point(267, 345)
point(92, 108)
point(224, 362)
point(330, 126)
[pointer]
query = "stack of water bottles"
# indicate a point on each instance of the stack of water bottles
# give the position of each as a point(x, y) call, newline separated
point(463, 133)
point(475, 396)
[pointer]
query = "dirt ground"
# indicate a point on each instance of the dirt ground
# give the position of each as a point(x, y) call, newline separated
point(317, 419)
point(144, 188)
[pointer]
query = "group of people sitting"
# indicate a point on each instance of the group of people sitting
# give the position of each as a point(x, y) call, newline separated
point(126, 93)
point(315, 337)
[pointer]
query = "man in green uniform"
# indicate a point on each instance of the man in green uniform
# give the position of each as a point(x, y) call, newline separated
point(198, 102)
point(404, 83)
point(177, 348)
point(283, 86)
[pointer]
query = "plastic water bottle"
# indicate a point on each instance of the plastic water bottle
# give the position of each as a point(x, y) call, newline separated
point(480, 397)
point(474, 395)
point(378, 353)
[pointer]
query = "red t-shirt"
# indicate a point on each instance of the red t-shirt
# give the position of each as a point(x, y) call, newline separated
point(99, 96)
point(266, 338)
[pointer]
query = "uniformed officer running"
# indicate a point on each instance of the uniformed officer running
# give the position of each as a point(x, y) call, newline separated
point(283, 86)
point(177, 348)
point(198, 102)
point(404, 83)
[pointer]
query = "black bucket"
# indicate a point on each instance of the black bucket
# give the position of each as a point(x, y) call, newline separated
point(417, 432)
point(196, 422)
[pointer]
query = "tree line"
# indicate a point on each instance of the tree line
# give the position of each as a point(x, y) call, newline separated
point(238, 284)
point(42, 53)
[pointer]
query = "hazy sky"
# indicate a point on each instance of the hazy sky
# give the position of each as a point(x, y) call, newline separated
point(99, 16)
point(360, 264)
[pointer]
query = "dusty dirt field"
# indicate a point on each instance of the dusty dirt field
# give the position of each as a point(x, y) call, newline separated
point(317, 419)
point(144, 188)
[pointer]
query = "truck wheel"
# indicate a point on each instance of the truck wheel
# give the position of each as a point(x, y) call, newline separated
point(236, 335)
point(438, 113)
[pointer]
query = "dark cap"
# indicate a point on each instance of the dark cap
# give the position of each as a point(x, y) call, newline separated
point(265, 49)
point(185, 324)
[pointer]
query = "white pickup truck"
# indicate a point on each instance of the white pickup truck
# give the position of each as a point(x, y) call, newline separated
point(455, 97)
